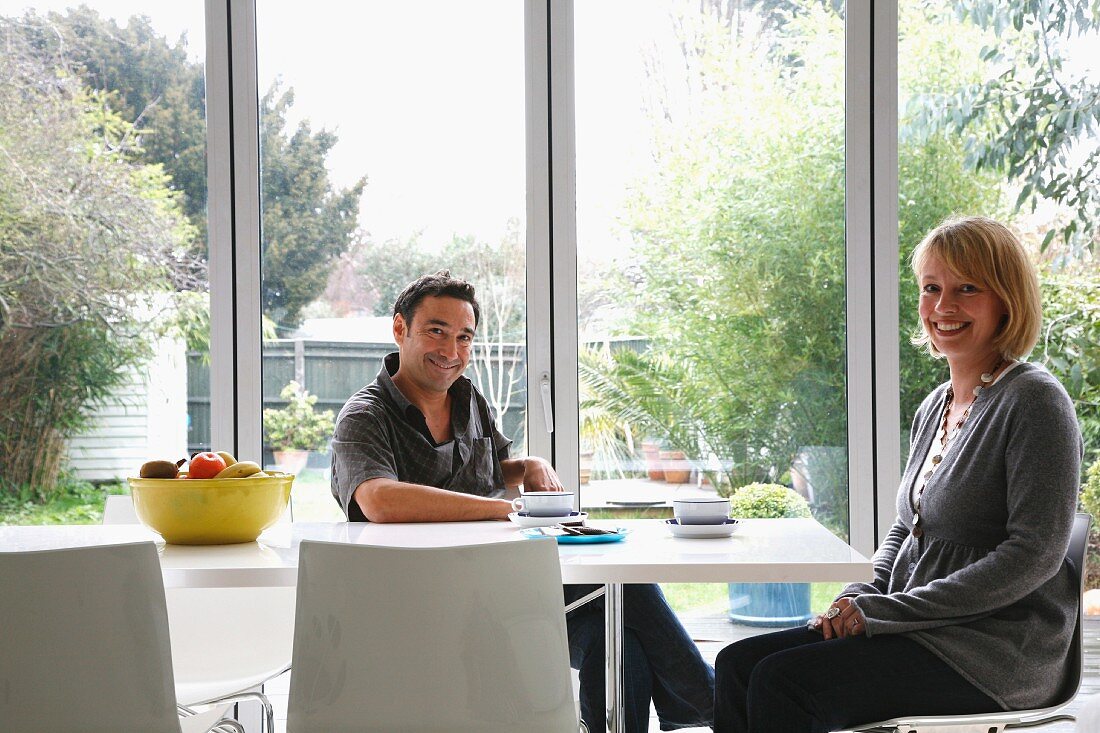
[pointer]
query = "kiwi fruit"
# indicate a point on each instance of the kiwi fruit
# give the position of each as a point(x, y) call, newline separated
point(159, 469)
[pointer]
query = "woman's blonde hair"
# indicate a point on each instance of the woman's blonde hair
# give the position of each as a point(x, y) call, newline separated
point(988, 253)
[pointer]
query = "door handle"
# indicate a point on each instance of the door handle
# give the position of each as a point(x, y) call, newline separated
point(547, 402)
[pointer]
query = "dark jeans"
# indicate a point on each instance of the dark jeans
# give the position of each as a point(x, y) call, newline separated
point(660, 662)
point(796, 682)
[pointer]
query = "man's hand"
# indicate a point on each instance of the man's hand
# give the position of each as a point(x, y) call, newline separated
point(539, 475)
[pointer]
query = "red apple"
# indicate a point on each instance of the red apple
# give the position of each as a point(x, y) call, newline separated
point(206, 465)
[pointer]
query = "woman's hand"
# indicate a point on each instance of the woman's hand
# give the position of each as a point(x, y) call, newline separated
point(851, 620)
point(841, 620)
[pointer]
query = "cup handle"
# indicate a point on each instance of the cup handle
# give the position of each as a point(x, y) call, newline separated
point(517, 504)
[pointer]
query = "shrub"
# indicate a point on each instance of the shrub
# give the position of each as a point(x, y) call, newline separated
point(297, 426)
point(767, 501)
point(1090, 491)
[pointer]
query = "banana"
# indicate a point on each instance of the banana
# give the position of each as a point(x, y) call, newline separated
point(227, 457)
point(240, 469)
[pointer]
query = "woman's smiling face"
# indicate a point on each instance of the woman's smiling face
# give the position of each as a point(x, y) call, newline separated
point(961, 316)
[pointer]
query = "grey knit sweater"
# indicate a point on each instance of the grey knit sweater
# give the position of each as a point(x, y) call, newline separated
point(986, 588)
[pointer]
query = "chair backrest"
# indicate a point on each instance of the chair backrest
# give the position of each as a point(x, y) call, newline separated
point(1075, 558)
point(84, 640)
point(119, 509)
point(430, 639)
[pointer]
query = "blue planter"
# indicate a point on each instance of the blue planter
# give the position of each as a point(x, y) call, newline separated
point(770, 604)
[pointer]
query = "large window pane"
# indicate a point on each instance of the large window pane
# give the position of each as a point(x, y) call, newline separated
point(710, 217)
point(104, 299)
point(994, 119)
point(391, 141)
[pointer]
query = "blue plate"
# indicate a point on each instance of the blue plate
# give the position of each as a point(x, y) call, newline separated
point(580, 539)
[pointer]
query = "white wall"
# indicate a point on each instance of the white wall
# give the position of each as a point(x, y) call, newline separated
point(145, 419)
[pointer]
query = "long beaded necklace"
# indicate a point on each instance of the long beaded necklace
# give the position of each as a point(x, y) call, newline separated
point(947, 435)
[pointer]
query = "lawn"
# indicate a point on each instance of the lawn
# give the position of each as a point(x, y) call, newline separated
point(74, 502)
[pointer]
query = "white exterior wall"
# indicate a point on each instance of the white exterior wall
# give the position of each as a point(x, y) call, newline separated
point(146, 419)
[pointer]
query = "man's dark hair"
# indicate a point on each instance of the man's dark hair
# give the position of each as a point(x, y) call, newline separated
point(441, 284)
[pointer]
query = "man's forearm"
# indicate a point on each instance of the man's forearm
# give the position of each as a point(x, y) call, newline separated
point(385, 500)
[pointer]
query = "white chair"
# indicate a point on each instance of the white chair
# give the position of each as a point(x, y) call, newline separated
point(997, 722)
point(226, 642)
point(84, 639)
point(449, 639)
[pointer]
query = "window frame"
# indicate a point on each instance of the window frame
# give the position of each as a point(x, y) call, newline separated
point(871, 174)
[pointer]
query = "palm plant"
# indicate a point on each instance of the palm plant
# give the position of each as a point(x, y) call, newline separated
point(656, 396)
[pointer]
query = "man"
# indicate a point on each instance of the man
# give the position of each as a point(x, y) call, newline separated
point(419, 445)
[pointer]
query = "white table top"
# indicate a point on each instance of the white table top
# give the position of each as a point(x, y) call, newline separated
point(762, 550)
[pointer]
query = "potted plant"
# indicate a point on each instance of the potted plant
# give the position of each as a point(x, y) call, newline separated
point(768, 604)
point(295, 430)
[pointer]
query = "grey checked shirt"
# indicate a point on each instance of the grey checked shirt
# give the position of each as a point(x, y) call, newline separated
point(380, 434)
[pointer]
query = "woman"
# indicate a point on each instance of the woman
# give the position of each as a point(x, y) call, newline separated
point(971, 608)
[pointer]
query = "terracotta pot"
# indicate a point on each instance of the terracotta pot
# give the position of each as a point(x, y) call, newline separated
point(676, 467)
point(653, 466)
point(291, 461)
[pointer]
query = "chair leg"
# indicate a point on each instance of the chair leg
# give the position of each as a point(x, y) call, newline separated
point(229, 726)
point(269, 711)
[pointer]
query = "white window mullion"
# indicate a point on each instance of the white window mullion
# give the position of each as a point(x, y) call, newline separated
point(563, 178)
point(884, 61)
point(246, 227)
point(540, 413)
point(858, 182)
point(223, 431)
point(871, 190)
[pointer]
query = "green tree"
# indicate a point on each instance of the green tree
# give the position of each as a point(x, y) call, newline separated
point(81, 222)
point(1069, 347)
point(1035, 120)
point(148, 81)
point(307, 224)
point(384, 269)
point(152, 83)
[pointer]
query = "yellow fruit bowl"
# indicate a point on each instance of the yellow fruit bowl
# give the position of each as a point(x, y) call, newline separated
point(212, 511)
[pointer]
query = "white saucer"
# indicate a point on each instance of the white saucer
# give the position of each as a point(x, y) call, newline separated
point(701, 531)
point(527, 521)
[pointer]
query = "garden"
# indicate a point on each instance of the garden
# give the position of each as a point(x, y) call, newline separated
point(736, 270)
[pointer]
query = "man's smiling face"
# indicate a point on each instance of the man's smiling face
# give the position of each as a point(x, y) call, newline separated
point(435, 347)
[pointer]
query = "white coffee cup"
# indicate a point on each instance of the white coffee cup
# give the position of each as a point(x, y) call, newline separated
point(544, 503)
point(701, 510)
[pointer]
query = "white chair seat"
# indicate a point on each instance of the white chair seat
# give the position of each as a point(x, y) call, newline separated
point(226, 641)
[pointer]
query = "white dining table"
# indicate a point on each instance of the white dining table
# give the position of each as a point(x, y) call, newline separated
point(761, 550)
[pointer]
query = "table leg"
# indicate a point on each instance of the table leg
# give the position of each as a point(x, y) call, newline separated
point(613, 649)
